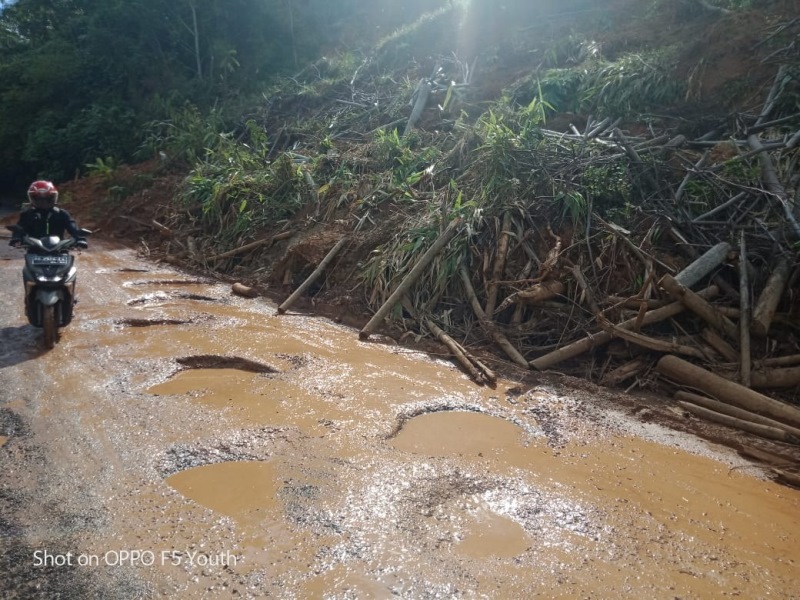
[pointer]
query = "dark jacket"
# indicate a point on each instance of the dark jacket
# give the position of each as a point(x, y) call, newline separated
point(39, 223)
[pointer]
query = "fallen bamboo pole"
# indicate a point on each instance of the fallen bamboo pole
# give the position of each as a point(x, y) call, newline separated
point(745, 362)
point(470, 364)
point(770, 177)
point(764, 431)
point(690, 375)
point(253, 245)
point(699, 306)
point(776, 378)
point(448, 234)
point(313, 277)
point(487, 325)
point(603, 337)
point(732, 411)
point(714, 340)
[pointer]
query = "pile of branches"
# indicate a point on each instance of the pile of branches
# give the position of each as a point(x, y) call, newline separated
point(692, 286)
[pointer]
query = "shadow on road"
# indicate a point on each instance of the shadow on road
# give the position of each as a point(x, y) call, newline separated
point(18, 344)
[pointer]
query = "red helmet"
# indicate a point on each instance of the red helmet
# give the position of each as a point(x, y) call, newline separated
point(43, 194)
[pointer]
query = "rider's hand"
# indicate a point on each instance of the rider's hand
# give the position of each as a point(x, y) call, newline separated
point(82, 244)
point(15, 242)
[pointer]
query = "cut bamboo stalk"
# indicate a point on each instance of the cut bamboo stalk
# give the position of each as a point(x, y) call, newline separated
point(739, 413)
point(487, 325)
point(242, 290)
point(313, 277)
point(499, 265)
point(770, 297)
point(696, 377)
point(603, 337)
point(764, 431)
point(717, 343)
point(698, 306)
point(448, 234)
point(745, 363)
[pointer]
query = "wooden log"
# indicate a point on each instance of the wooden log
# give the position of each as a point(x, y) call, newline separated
point(487, 325)
point(717, 343)
point(696, 377)
point(253, 245)
point(770, 433)
point(776, 378)
point(770, 297)
point(745, 364)
point(772, 458)
point(698, 306)
point(313, 277)
point(739, 413)
point(703, 265)
point(499, 265)
point(603, 337)
point(444, 238)
point(242, 290)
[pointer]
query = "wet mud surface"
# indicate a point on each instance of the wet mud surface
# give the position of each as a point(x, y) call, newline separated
point(182, 442)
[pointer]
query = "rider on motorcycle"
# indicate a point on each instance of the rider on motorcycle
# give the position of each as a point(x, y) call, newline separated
point(44, 218)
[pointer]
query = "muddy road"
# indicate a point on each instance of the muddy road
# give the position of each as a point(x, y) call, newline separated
point(181, 442)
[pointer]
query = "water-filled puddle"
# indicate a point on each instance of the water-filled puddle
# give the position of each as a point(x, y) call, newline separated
point(491, 535)
point(244, 491)
point(458, 433)
point(253, 398)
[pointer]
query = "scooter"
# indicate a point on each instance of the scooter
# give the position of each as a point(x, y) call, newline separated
point(49, 278)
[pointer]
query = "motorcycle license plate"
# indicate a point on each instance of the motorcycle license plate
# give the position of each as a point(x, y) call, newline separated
point(56, 259)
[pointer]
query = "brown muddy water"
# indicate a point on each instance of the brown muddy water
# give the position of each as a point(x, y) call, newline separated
point(248, 455)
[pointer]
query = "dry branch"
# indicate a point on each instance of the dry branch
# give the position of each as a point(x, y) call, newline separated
point(744, 316)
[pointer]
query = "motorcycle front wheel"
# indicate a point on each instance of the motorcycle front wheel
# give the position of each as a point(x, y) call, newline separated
point(49, 327)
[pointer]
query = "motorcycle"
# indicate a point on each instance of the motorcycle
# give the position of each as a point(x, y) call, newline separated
point(49, 277)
